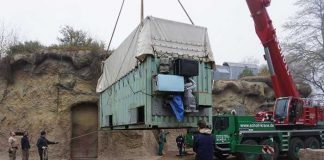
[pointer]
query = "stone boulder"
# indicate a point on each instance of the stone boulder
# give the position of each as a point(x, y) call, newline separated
point(311, 154)
point(251, 94)
point(248, 96)
point(304, 89)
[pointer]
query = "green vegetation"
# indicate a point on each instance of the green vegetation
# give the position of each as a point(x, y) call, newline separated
point(26, 47)
point(72, 39)
point(264, 71)
point(246, 72)
point(69, 40)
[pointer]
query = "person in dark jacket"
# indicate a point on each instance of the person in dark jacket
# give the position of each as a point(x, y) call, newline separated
point(25, 146)
point(204, 142)
point(180, 144)
point(42, 144)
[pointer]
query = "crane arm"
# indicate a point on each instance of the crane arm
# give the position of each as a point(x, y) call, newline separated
point(282, 81)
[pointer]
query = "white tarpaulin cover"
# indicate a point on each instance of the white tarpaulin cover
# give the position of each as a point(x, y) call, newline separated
point(156, 37)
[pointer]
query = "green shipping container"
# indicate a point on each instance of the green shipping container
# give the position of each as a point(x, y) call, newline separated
point(143, 75)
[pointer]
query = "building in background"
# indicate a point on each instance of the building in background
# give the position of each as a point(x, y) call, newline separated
point(232, 71)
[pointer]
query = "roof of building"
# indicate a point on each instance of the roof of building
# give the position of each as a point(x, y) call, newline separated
point(231, 64)
point(157, 37)
point(222, 69)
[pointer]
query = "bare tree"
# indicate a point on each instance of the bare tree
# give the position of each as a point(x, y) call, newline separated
point(72, 37)
point(250, 60)
point(8, 38)
point(304, 44)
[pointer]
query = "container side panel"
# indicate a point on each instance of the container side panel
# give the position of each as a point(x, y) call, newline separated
point(204, 80)
point(124, 98)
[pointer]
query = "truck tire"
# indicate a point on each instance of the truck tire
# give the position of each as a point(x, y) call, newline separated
point(295, 145)
point(312, 143)
point(248, 156)
point(273, 144)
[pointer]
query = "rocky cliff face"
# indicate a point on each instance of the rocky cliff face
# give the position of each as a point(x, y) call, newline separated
point(48, 85)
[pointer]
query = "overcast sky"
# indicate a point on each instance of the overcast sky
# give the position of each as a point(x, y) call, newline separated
point(229, 24)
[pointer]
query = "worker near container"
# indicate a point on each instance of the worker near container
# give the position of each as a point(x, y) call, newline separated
point(25, 146)
point(218, 111)
point(42, 144)
point(204, 142)
point(13, 146)
point(162, 140)
point(180, 144)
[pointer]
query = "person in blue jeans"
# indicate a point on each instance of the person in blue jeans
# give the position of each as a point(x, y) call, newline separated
point(25, 146)
point(204, 142)
point(43, 142)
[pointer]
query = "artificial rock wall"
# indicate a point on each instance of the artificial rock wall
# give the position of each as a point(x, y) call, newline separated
point(48, 85)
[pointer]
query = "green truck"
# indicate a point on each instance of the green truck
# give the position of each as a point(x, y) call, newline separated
point(246, 138)
point(294, 123)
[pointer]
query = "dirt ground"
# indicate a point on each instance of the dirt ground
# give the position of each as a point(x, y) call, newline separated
point(168, 156)
point(172, 156)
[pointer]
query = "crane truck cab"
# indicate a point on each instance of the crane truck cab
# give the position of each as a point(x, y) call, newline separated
point(288, 111)
point(297, 112)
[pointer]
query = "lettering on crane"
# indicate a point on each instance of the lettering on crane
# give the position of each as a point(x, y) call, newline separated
point(283, 57)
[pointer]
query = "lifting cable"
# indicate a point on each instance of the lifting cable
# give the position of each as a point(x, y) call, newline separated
point(186, 12)
point(112, 35)
point(83, 135)
point(120, 10)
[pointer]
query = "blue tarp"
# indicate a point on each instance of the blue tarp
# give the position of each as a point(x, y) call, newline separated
point(177, 107)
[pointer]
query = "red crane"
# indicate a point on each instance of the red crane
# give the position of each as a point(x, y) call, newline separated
point(283, 84)
point(290, 108)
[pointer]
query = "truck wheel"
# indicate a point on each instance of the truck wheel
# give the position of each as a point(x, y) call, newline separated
point(273, 144)
point(312, 143)
point(294, 146)
point(248, 156)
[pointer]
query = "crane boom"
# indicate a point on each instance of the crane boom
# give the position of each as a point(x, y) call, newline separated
point(282, 81)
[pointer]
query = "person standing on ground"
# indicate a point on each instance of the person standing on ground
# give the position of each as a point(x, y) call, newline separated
point(204, 142)
point(162, 140)
point(42, 144)
point(13, 146)
point(25, 146)
point(180, 143)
